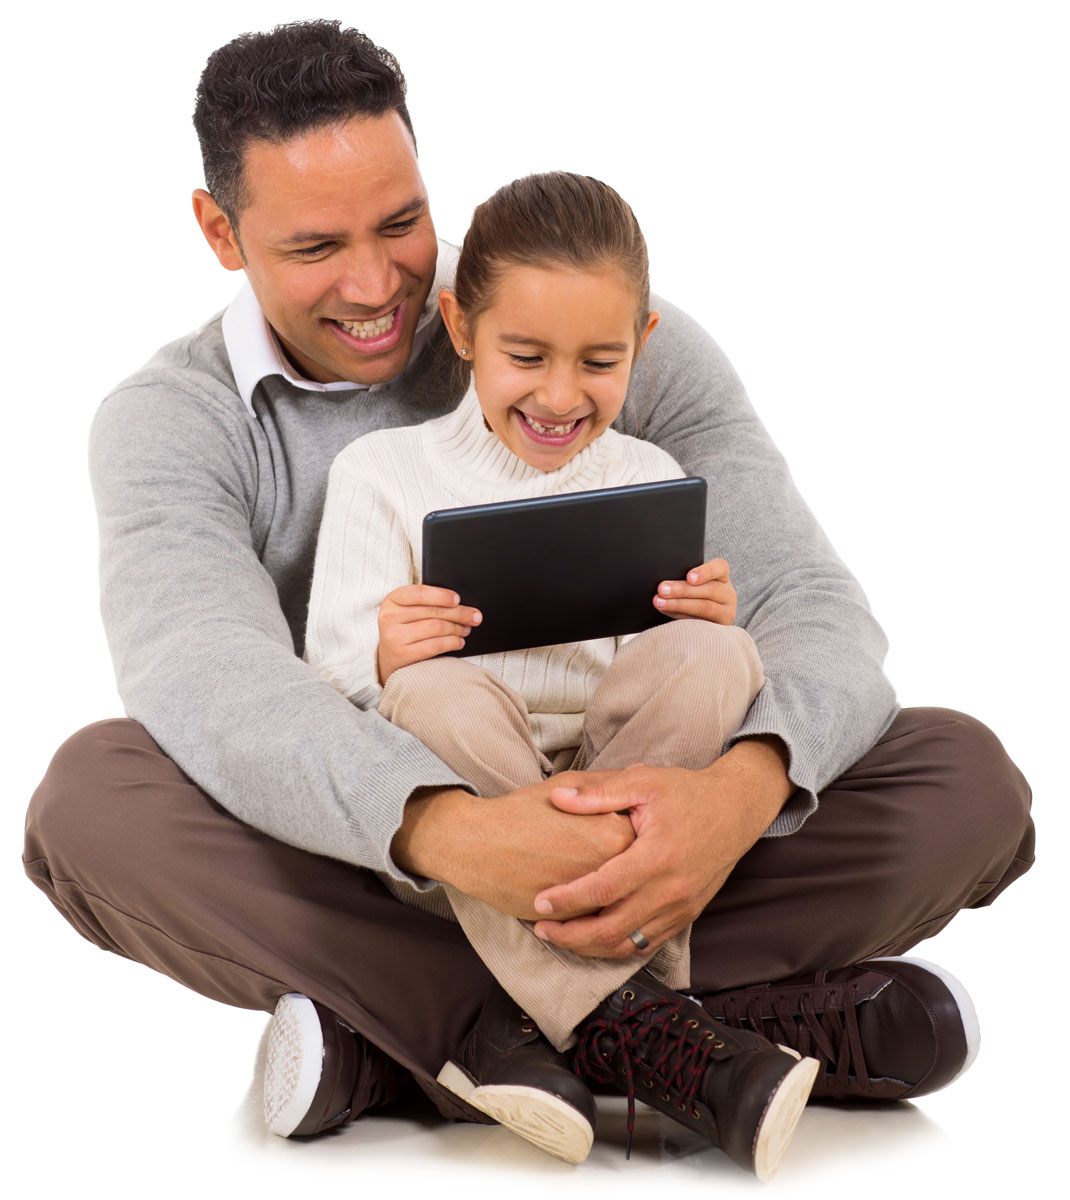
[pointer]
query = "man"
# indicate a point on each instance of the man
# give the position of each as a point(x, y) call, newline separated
point(251, 796)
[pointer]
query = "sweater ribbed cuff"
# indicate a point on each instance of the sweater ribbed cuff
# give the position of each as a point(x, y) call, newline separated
point(385, 789)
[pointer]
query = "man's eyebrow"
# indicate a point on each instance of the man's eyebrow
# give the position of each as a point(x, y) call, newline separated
point(519, 339)
point(311, 236)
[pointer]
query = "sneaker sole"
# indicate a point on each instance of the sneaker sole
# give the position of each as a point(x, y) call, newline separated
point(293, 1064)
point(782, 1117)
point(539, 1117)
point(971, 1026)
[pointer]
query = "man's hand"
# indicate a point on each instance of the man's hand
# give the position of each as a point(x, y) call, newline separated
point(418, 622)
point(691, 828)
point(707, 593)
point(504, 850)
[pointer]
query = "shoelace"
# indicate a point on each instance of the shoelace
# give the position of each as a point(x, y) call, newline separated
point(833, 1040)
point(643, 1039)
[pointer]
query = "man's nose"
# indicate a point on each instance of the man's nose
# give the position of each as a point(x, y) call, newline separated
point(370, 277)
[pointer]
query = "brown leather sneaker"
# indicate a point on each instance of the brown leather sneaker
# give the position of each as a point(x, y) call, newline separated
point(507, 1069)
point(319, 1072)
point(886, 1029)
point(730, 1085)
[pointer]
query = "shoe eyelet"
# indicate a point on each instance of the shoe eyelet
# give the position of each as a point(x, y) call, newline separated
point(696, 1114)
point(627, 995)
point(647, 1082)
point(527, 1028)
point(692, 1024)
point(676, 1016)
point(682, 1107)
point(666, 1096)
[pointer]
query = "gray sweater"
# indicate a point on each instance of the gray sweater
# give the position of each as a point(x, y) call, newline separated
point(208, 524)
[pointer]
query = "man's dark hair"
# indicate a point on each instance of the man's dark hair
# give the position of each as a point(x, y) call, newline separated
point(274, 86)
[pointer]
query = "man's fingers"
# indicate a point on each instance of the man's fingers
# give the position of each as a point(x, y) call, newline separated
point(593, 892)
point(586, 800)
point(607, 934)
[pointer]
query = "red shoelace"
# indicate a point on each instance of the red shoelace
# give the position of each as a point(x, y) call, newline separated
point(650, 1041)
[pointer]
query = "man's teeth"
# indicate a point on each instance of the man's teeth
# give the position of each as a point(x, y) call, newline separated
point(554, 430)
point(368, 329)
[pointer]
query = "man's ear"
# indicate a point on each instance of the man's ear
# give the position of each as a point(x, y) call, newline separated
point(455, 323)
point(217, 231)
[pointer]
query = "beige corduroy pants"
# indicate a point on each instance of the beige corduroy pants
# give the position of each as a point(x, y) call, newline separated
point(672, 697)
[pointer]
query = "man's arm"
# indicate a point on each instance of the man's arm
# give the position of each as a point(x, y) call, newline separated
point(826, 697)
point(202, 652)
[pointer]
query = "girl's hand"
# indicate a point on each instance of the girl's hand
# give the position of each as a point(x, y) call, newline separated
point(418, 622)
point(707, 594)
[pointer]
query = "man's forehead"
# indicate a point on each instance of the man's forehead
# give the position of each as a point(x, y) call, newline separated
point(368, 162)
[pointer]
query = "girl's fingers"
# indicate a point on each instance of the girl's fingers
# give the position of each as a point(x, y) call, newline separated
point(407, 614)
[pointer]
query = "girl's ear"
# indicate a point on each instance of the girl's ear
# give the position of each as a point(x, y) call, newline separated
point(455, 323)
point(651, 323)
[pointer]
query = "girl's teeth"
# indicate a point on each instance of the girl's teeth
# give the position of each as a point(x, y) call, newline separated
point(554, 430)
point(367, 329)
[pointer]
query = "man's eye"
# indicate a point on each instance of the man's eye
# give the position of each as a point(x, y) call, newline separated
point(313, 251)
point(401, 226)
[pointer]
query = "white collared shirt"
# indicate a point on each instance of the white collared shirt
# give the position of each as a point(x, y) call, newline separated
point(255, 353)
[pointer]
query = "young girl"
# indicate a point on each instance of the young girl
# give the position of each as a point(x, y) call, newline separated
point(549, 311)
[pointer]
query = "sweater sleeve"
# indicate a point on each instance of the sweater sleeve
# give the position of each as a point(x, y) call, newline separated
point(363, 553)
point(826, 696)
point(203, 655)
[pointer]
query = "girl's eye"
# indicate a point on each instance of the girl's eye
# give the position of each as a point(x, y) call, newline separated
point(526, 360)
point(597, 365)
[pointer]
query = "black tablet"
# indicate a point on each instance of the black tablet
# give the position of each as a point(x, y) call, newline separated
point(566, 568)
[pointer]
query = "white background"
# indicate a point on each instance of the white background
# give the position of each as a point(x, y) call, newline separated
point(866, 204)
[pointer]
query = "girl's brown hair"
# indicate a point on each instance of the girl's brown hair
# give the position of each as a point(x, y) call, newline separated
point(552, 219)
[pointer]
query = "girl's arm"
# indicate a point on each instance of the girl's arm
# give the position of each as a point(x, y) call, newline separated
point(362, 554)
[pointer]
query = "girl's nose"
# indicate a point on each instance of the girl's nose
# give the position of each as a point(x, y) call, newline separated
point(561, 395)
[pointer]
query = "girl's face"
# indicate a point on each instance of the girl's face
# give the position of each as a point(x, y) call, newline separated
point(551, 357)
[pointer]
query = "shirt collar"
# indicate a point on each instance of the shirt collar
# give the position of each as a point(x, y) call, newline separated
point(255, 353)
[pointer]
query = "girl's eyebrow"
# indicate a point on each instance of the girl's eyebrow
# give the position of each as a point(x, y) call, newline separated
point(521, 340)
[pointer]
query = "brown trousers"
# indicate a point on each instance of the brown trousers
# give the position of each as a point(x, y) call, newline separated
point(672, 696)
point(140, 861)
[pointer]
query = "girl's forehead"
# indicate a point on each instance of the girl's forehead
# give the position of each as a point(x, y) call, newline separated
point(559, 295)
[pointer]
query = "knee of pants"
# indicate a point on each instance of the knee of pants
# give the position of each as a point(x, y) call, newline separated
point(685, 644)
point(996, 801)
point(82, 812)
point(970, 818)
point(422, 686)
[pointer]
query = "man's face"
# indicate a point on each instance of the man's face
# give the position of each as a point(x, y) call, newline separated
point(339, 247)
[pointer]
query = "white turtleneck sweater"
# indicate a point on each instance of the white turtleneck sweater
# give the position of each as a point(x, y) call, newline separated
point(381, 487)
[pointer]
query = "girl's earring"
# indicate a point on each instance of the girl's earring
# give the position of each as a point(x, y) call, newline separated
point(464, 352)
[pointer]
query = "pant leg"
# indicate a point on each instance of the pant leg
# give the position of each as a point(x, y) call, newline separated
point(672, 698)
point(934, 819)
point(144, 864)
point(490, 745)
